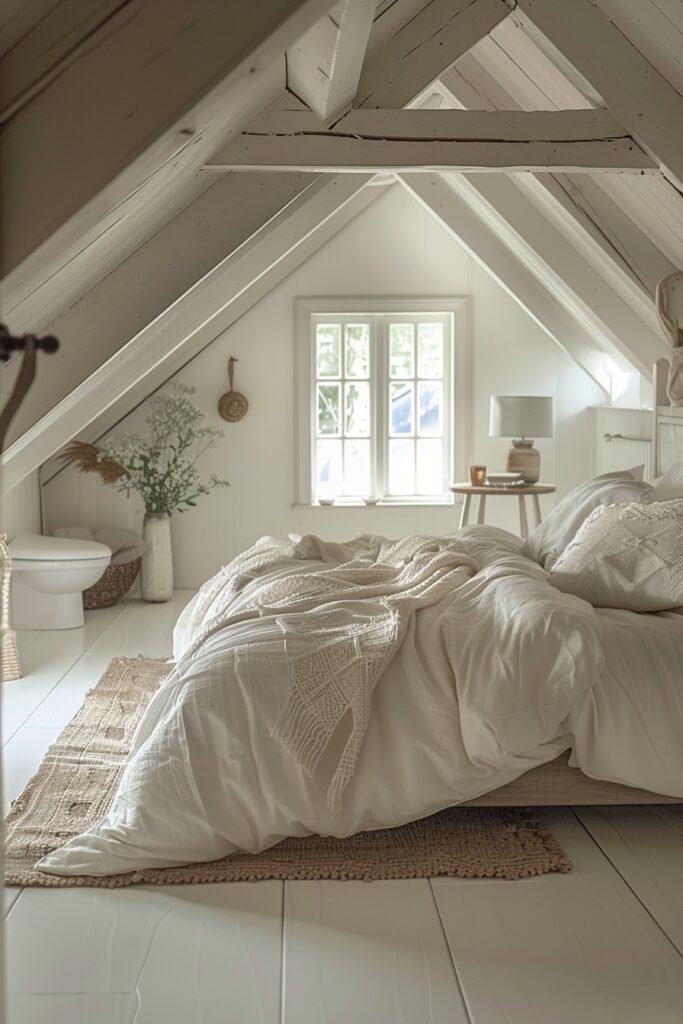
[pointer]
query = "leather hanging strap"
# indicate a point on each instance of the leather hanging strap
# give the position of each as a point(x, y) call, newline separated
point(29, 345)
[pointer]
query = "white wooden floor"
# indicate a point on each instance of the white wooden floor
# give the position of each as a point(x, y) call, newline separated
point(603, 945)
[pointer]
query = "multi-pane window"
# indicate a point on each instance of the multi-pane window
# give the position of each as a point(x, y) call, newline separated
point(343, 407)
point(381, 386)
point(417, 414)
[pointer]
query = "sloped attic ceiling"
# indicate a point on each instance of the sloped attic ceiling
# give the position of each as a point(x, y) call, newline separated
point(581, 252)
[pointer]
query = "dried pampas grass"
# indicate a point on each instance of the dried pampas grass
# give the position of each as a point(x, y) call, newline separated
point(88, 459)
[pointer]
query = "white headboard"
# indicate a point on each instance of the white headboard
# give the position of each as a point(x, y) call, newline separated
point(667, 429)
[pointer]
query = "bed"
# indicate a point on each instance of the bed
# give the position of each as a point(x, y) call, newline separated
point(503, 690)
point(558, 782)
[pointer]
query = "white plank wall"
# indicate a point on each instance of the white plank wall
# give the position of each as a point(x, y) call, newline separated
point(20, 507)
point(517, 356)
point(656, 28)
point(655, 207)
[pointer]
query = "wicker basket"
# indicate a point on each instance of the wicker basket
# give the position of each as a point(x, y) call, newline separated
point(112, 585)
point(9, 656)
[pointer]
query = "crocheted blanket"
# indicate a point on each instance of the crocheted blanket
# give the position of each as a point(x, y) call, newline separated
point(342, 623)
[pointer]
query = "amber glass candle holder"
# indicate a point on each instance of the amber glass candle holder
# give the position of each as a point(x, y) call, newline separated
point(477, 476)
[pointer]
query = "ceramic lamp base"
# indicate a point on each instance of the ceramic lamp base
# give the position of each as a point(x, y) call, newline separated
point(525, 459)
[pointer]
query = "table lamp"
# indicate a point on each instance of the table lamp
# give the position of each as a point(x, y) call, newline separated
point(522, 417)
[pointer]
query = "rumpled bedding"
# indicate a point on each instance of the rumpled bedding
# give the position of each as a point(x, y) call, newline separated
point(342, 624)
point(499, 676)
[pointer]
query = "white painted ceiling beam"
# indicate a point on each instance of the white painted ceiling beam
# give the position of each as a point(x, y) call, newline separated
point(508, 268)
point(192, 322)
point(103, 235)
point(45, 296)
point(636, 222)
point(324, 66)
point(418, 53)
point(107, 315)
point(636, 93)
point(428, 140)
point(622, 254)
point(627, 251)
point(528, 231)
point(119, 102)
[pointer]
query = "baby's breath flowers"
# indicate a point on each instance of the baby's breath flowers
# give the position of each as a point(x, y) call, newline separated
point(160, 465)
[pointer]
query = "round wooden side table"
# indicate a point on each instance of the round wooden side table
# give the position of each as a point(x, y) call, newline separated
point(509, 492)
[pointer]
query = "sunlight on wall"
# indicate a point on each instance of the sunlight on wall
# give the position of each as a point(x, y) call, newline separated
point(624, 385)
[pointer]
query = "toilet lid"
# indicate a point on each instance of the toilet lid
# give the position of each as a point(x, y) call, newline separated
point(33, 547)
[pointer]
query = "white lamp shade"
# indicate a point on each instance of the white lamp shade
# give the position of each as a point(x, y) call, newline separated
point(521, 416)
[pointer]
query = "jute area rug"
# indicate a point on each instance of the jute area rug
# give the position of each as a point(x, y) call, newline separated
point(76, 782)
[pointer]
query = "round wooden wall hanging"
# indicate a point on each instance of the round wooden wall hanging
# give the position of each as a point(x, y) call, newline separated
point(232, 406)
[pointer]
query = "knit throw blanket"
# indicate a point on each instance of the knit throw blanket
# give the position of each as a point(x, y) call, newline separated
point(342, 624)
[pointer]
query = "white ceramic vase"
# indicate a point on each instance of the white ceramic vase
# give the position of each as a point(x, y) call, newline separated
point(156, 573)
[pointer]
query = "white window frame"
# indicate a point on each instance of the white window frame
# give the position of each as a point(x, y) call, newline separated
point(457, 386)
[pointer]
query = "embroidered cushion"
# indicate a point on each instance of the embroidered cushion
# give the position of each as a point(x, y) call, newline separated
point(547, 542)
point(626, 556)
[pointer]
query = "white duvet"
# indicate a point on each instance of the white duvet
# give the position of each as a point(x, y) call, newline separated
point(503, 674)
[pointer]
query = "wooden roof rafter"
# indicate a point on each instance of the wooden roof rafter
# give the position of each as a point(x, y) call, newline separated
point(324, 66)
point(191, 322)
point(647, 105)
point(102, 98)
point(578, 323)
point(423, 140)
point(465, 223)
point(439, 33)
point(541, 215)
point(508, 70)
point(374, 136)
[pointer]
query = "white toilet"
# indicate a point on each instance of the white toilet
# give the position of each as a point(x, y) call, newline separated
point(49, 575)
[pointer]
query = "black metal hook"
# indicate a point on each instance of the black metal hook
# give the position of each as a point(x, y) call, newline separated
point(10, 343)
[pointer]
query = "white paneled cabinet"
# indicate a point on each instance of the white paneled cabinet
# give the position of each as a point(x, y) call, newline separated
point(622, 439)
point(669, 437)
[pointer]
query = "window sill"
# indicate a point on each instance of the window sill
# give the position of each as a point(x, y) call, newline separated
point(385, 503)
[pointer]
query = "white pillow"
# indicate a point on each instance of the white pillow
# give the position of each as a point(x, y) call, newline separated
point(547, 542)
point(669, 486)
point(626, 556)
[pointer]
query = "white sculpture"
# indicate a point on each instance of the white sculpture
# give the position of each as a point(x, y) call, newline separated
point(669, 299)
